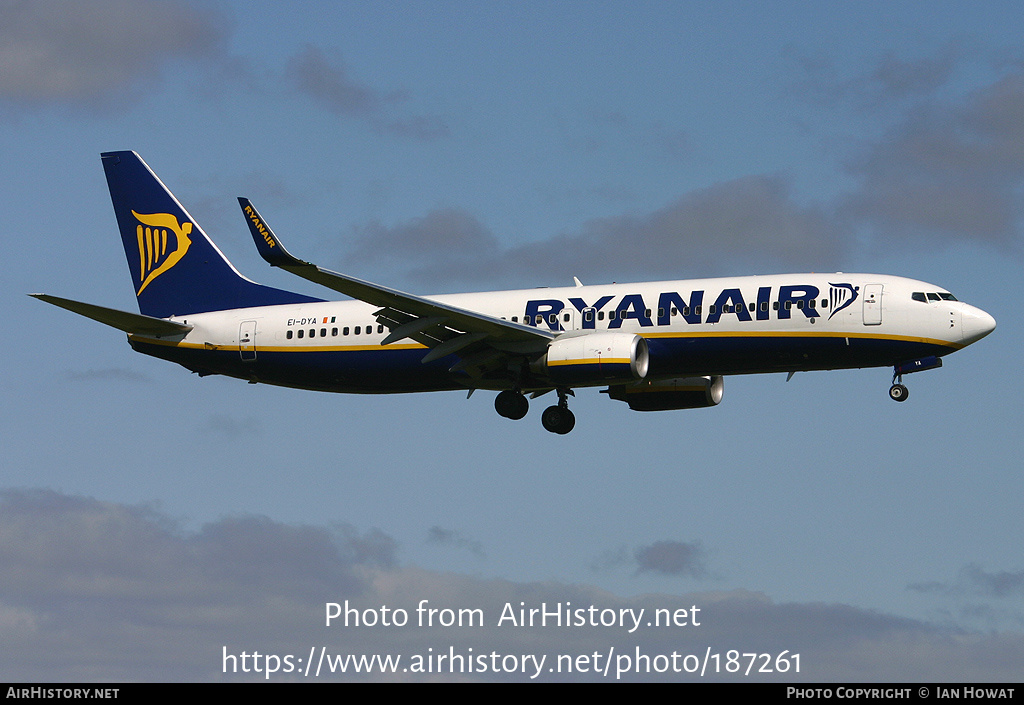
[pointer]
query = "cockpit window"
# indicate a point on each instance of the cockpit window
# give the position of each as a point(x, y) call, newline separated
point(932, 296)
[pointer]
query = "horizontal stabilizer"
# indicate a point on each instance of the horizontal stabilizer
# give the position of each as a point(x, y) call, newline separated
point(134, 323)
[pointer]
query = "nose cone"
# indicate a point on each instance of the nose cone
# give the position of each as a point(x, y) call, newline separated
point(975, 324)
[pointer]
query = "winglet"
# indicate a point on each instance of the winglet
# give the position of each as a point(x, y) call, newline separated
point(267, 243)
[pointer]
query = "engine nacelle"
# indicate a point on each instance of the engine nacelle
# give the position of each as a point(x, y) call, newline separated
point(668, 394)
point(595, 358)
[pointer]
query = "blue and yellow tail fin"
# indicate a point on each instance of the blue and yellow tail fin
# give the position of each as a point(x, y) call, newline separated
point(175, 267)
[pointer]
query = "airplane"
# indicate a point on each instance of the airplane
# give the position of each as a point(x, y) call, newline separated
point(655, 346)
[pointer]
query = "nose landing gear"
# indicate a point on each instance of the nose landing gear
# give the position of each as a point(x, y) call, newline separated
point(898, 391)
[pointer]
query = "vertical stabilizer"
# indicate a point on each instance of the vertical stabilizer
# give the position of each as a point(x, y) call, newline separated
point(176, 269)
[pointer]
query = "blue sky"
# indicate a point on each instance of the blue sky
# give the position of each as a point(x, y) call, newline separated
point(439, 147)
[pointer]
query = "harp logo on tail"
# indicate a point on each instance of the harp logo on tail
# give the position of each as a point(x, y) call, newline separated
point(162, 244)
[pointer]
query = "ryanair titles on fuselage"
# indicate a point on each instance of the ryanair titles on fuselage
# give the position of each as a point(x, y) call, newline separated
point(802, 297)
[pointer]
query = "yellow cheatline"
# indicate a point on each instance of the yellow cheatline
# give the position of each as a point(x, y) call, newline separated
point(796, 334)
point(591, 361)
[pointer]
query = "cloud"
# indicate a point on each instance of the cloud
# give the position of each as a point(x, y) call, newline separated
point(107, 374)
point(891, 79)
point(949, 172)
point(231, 427)
point(84, 54)
point(673, 558)
point(446, 537)
point(975, 581)
point(100, 591)
point(327, 83)
point(750, 222)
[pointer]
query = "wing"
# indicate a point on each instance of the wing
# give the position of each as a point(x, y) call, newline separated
point(481, 341)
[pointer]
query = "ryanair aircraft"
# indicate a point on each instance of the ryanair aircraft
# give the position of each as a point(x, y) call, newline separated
point(656, 346)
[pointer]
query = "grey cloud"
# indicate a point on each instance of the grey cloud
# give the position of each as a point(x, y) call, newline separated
point(748, 222)
point(654, 138)
point(107, 374)
point(673, 558)
point(975, 581)
point(86, 53)
point(326, 82)
point(949, 172)
point(891, 79)
point(231, 427)
point(447, 537)
point(896, 77)
point(610, 559)
point(435, 237)
point(753, 220)
point(445, 245)
point(99, 591)
point(1001, 584)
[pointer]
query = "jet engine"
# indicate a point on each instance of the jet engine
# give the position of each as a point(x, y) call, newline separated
point(594, 358)
point(668, 394)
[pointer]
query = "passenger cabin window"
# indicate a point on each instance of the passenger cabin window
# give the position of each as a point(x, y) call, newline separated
point(288, 335)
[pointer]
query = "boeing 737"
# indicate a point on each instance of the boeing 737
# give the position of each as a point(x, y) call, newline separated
point(655, 346)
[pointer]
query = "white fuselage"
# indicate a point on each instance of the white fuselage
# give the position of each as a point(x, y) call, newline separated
point(703, 326)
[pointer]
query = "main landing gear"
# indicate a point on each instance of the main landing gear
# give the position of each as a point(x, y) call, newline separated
point(511, 404)
point(557, 419)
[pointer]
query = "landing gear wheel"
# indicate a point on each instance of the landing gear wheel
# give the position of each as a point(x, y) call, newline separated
point(511, 404)
point(898, 392)
point(558, 419)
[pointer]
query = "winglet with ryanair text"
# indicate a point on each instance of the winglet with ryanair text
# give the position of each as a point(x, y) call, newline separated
point(268, 245)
